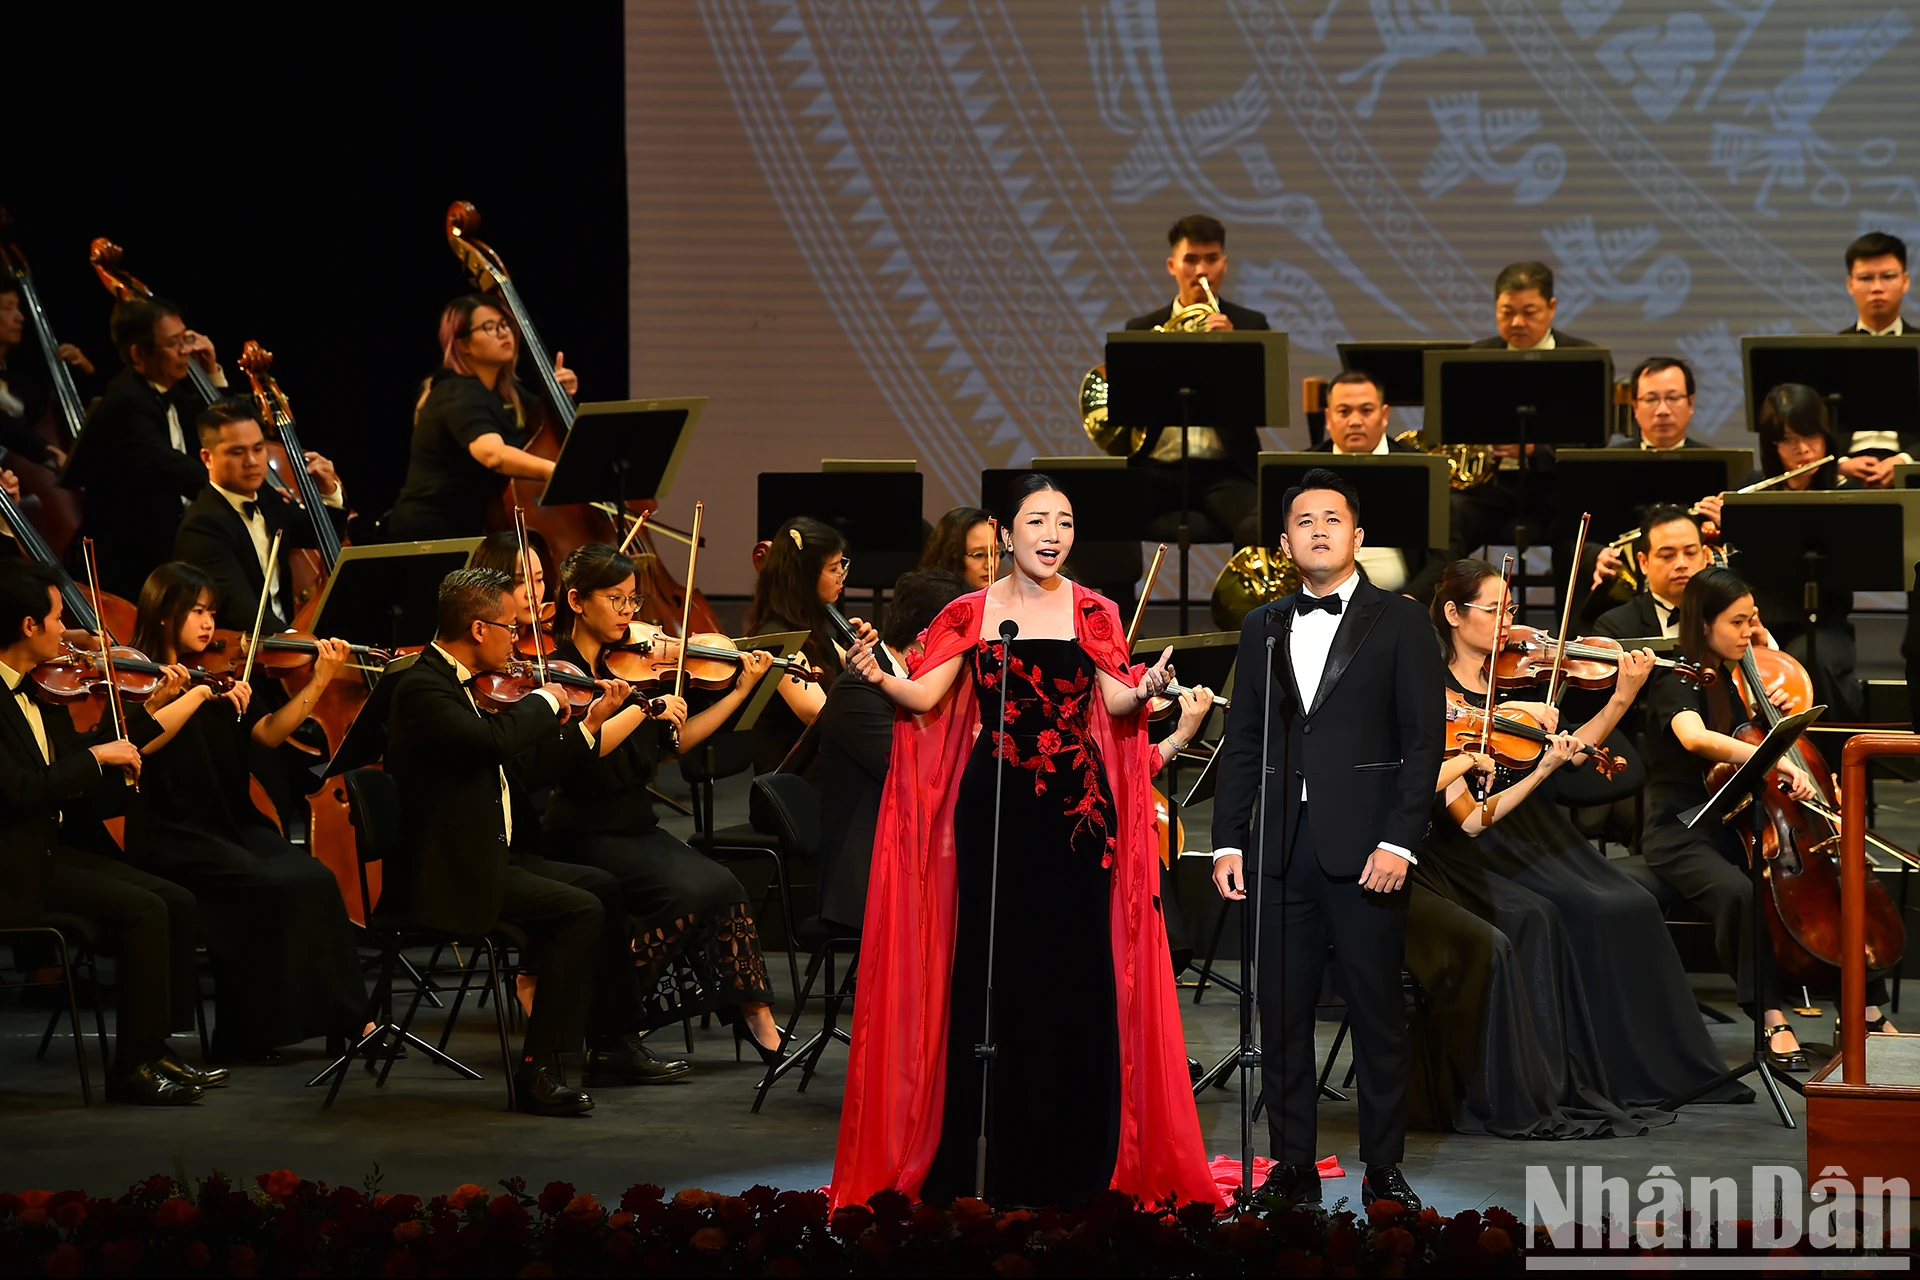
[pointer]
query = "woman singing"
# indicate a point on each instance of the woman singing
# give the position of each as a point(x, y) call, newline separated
point(806, 570)
point(470, 431)
point(284, 963)
point(1087, 1092)
point(962, 544)
point(686, 907)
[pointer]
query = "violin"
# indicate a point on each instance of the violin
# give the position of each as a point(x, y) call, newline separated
point(649, 657)
point(1516, 738)
point(1592, 662)
point(1162, 707)
point(287, 653)
point(79, 673)
point(1798, 839)
point(497, 690)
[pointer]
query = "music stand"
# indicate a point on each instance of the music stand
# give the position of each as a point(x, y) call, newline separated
point(781, 644)
point(1796, 548)
point(1873, 380)
point(1618, 485)
point(619, 450)
point(877, 512)
point(388, 595)
point(1399, 369)
point(1748, 786)
point(1403, 496)
point(1226, 380)
point(1558, 397)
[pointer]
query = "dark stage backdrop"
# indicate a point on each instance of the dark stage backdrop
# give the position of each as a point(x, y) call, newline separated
point(918, 217)
point(282, 175)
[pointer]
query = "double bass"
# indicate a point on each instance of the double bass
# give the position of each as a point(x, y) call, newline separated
point(57, 509)
point(568, 526)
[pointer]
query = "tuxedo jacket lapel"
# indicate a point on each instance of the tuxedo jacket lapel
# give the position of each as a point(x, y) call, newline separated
point(24, 745)
point(1282, 620)
point(1355, 622)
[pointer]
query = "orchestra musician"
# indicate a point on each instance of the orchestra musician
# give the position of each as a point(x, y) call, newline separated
point(133, 458)
point(1221, 461)
point(230, 524)
point(687, 909)
point(285, 968)
point(1877, 281)
point(55, 787)
point(805, 571)
point(1669, 552)
point(471, 841)
point(25, 393)
point(1358, 422)
point(470, 428)
point(962, 544)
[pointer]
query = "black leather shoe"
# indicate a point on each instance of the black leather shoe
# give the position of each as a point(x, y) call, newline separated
point(538, 1092)
point(1386, 1182)
point(169, 1065)
point(144, 1086)
point(1298, 1183)
point(1794, 1060)
point(629, 1061)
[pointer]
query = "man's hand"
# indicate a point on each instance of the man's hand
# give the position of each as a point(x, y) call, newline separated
point(200, 347)
point(1606, 567)
point(613, 696)
point(322, 472)
point(559, 692)
point(1218, 322)
point(1385, 871)
point(118, 754)
point(1228, 877)
point(74, 356)
point(1710, 507)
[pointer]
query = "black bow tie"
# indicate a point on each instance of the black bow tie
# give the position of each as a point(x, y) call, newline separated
point(1313, 604)
point(248, 510)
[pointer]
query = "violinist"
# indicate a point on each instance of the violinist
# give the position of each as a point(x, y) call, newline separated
point(470, 428)
point(1590, 949)
point(284, 964)
point(55, 786)
point(806, 570)
point(1688, 730)
point(25, 393)
point(962, 544)
point(1877, 281)
point(134, 458)
point(229, 526)
point(688, 910)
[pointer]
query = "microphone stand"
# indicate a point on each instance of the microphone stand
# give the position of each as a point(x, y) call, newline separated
point(986, 1051)
point(1251, 1068)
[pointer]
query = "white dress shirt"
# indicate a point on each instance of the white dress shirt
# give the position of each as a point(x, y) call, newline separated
point(1669, 615)
point(1386, 566)
point(1545, 344)
point(506, 794)
point(1862, 441)
point(262, 542)
point(23, 695)
point(1202, 442)
point(1311, 641)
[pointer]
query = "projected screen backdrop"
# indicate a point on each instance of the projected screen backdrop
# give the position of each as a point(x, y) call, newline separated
point(901, 229)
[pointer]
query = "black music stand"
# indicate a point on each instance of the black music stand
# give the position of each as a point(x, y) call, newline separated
point(1403, 496)
point(1748, 787)
point(1863, 379)
point(1797, 549)
point(1229, 381)
point(1558, 397)
point(877, 512)
point(619, 450)
point(387, 595)
point(1399, 369)
point(1618, 485)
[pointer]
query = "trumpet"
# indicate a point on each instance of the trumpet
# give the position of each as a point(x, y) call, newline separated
point(1193, 317)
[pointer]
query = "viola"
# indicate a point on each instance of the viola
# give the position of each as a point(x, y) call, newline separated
point(1592, 662)
point(79, 674)
point(497, 690)
point(1516, 739)
point(649, 657)
point(1798, 839)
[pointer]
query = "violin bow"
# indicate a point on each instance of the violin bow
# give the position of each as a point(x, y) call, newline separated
point(533, 606)
point(1566, 611)
point(1493, 659)
point(686, 612)
point(260, 613)
point(114, 708)
point(1146, 593)
point(993, 553)
point(634, 532)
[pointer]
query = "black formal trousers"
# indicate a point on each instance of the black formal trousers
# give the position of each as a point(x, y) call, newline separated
point(613, 1008)
point(565, 924)
point(149, 926)
point(1303, 910)
point(1706, 865)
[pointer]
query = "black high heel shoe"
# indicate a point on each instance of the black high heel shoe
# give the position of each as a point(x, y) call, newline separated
point(743, 1034)
point(1792, 1060)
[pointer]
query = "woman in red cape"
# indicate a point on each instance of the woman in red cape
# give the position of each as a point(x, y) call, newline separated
point(892, 1118)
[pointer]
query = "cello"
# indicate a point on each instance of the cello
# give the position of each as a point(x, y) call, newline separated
point(572, 525)
point(58, 514)
point(1799, 841)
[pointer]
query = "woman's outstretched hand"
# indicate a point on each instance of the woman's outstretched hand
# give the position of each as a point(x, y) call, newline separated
point(1156, 678)
point(861, 660)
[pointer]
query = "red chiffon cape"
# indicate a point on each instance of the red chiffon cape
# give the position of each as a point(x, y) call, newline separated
point(896, 1077)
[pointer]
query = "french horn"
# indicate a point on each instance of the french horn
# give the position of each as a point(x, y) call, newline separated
point(1253, 576)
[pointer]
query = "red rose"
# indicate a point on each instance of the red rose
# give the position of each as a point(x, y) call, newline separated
point(556, 1197)
point(1099, 625)
point(279, 1184)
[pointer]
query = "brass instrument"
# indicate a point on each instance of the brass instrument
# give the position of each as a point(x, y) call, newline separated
point(1253, 576)
point(1468, 465)
point(1113, 440)
point(1626, 580)
point(1193, 317)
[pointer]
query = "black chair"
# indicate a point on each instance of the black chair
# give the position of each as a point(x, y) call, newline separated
point(58, 930)
point(373, 804)
point(784, 809)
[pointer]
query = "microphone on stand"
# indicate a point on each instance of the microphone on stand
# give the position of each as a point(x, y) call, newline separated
point(986, 1051)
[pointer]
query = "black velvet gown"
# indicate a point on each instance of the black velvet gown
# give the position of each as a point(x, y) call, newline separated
point(285, 967)
point(1564, 1010)
point(1054, 1109)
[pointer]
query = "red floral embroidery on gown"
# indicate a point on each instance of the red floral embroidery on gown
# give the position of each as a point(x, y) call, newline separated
point(896, 1102)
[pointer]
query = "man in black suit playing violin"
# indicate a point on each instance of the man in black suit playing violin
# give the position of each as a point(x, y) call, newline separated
point(229, 527)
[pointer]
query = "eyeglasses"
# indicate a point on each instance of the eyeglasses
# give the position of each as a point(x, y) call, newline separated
point(840, 570)
point(623, 604)
point(178, 342)
point(981, 556)
point(1673, 400)
point(1513, 610)
point(1882, 277)
point(504, 626)
point(492, 328)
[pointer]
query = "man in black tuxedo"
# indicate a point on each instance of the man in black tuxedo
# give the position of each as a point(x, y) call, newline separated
point(469, 870)
point(133, 458)
point(229, 527)
point(1669, 551)
point(1359, 421)
point(1221, 461)
point(26, 390)
point(855, 734)
point(1877, 281)
point(55, 787)
point(1352, 753)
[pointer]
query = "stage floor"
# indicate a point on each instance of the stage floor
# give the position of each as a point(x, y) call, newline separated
point(427, 1131)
